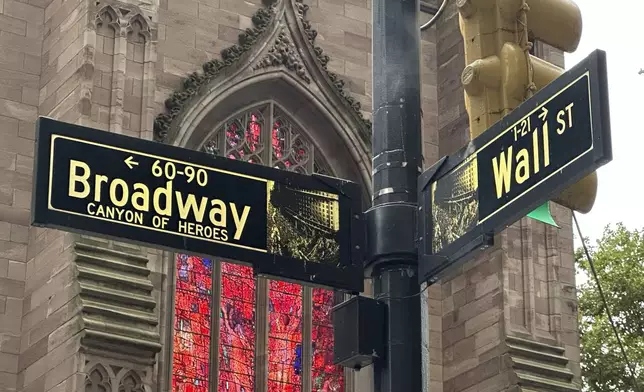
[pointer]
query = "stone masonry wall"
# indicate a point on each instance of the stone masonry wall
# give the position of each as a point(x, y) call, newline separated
point(45, 62)
point(57, 59)
point(21, 25)
point(49, 358)
point(516, 298)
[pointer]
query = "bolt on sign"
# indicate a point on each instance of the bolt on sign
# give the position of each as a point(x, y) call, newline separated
point(550, 142)
point(288, 225)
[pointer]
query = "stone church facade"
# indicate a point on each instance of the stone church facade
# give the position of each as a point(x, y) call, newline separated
point(285, 83)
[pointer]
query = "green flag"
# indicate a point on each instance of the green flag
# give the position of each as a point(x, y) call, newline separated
point(542, 214)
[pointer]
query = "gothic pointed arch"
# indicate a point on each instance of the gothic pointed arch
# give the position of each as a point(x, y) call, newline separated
point(98, 379)
point(138, 29)
point(269, 100)
point(130, 381)
point(232, 330)
point(281, 40)
point(328, 127)
point(108, 21)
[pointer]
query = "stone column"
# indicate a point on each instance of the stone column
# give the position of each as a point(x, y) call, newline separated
point(509, 315)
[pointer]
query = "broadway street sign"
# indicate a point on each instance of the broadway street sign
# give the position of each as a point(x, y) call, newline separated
point(289, 225)
point(550, 142)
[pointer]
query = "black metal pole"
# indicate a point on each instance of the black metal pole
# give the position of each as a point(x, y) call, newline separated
point(397, 162)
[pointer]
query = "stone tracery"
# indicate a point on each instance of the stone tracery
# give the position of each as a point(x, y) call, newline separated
point(196, 81)
point(97, 380)
point(131, 382)
point(138, 29)
point(283, 52)
point(263, 134)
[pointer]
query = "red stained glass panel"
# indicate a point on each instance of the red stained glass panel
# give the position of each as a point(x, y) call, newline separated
point(237, 329)
point(243, 138)
point(285, 337)
point(193, 300)
point(326, 377)
point(290, 150)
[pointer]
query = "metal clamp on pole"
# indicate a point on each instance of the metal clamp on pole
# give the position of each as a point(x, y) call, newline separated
point(391, 234)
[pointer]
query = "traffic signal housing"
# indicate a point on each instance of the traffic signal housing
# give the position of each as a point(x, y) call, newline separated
point(500, 73)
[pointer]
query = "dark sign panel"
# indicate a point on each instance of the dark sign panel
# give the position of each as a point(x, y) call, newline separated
point(548, 143)
point(285, 224)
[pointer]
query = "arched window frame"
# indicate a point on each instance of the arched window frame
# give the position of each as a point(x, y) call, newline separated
point(217, 139)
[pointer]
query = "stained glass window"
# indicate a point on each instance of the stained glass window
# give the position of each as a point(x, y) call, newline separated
point(325, 377)
point(263, 135)
point(193, 300)
point(284, 337)
point(291, 150)
point(237, 329)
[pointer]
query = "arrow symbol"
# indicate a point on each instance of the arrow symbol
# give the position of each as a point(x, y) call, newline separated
point(129, 161)
point(543, 114)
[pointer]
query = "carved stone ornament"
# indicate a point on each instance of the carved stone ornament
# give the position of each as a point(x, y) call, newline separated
point(124, 19)
point(97, 379)
point(323, 60)
point(193, 84)
point(118, 305)
point(131, 382)
point(283, 52)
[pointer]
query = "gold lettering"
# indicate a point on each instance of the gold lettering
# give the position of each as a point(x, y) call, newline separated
point(183, 226)
point(569, 110)
point(217, 234)
point(131, 216)
point(141, 197)
point(98, 181)
point(89, 209)
point(156, 202)
point(218, 213)
point(126, 192)
point(119, 213)
point(203, 231)
point(109, 212)
point(502, 169)
point(82, 178)
point(546, 146)
point(563, 125)
point(191, 204)
point(535, 150)
point(522, 171)
point(239, 222)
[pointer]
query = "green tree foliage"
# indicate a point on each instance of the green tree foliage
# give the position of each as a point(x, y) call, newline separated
point(619, 262)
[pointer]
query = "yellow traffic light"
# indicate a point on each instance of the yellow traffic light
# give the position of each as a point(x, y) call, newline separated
point(500, 73)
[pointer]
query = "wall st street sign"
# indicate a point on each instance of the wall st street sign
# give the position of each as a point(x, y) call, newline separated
point(551, 141)
point(288, 225)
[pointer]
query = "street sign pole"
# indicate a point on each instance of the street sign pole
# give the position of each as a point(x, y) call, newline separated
point(396, 164)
